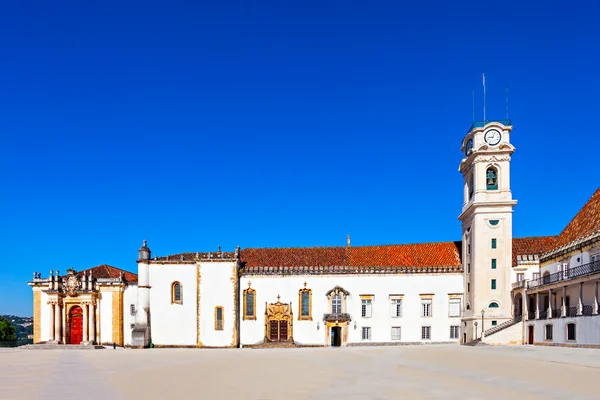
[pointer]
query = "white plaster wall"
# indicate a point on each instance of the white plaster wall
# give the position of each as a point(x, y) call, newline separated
point(129, 298)
point(217, 286)
point(410, 286)
point(173, 324)
point(106, 316)
point(507, 336)
point(587, 330)
point(44, 318)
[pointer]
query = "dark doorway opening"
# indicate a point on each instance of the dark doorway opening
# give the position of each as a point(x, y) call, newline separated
point(530, 334)
point(336, 336)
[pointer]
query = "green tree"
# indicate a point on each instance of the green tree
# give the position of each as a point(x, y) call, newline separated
point(7, 331)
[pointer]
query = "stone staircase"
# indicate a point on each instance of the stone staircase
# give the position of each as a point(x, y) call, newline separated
point(273, 345)
point(502, 326)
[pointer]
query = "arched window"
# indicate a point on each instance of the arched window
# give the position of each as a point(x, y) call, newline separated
point(176, 293)
point(305, 304)
point(218, 318)
point(250, 303)
point(336, 304)
point(493, 305)
point(491, 179)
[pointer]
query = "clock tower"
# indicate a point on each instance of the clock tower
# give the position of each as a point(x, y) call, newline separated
point(486, 227)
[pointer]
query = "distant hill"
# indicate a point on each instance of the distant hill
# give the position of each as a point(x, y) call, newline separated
point(23, 327)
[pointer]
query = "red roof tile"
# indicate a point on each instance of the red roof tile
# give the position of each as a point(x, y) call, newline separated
point(535, 245)
point(420, 256)
point(586, 222)
point(107, 271)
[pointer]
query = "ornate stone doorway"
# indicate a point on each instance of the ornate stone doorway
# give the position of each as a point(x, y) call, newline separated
point(75, 325)
point(278, 322)
point(336, 336)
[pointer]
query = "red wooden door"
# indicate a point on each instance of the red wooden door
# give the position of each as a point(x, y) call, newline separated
point(283, 333)
point(76, 325)
point(273, 331)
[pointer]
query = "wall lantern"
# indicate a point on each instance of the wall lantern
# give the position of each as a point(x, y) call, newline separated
point(318, 327)
point(354, 325)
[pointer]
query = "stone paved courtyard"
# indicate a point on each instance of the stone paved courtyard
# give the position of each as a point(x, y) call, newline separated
point(404, 372)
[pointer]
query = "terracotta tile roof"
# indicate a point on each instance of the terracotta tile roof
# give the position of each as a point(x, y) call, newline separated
point(410, 257)
point(107, 271)
point(586, 222)
point(294, 257)
point(445, 254)
point(535, 245)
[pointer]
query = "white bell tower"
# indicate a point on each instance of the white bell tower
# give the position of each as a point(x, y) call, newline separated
point(486, 227)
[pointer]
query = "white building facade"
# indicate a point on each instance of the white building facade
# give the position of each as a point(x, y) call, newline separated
point(487, 287)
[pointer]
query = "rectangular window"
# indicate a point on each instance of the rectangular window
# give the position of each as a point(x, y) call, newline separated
point(395, 333)
point(493, 284)
point(426, 332)
point(536, 275)
point(366, 333)
point(218, 318)
point(494, 323)
point(454, 332)
point(396, 308)
point(426, 308)
point(454, 308)
point(594, 257)
point(469, 267)
point(520, 277)
point(250, 304)
point(469, 249)
point(570, 331)
point(366, 308)
point(305, 304)
point(493, 243)
point(548, 332)
point(493, 263)
point(468, 288)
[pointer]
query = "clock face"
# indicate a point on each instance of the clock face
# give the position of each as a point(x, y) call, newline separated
point(492, 137)
point(468, 147)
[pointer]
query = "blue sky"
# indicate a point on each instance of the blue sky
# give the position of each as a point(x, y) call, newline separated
point(277, 124)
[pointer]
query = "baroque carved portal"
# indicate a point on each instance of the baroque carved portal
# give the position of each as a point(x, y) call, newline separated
point(278, 322)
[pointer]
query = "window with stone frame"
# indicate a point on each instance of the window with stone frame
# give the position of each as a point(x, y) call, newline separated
point(454, 307)
point(571, 333)
point(249, 304)
point(395, 307)
point(548, 333)
point(454, 331)
point(426, 333)
point(426, 308)
point(176, 293)
point(366, 333)
point(396, 333)
point(305, 304)
point(219, 318)
point(366, 309)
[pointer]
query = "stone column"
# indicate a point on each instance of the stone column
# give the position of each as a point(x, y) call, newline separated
point(537, 305)
point(85, 323)
point(51, 333)
point(580, 303)
point(549, 311)
point(563, 308)
point(595, 310)
point(524, 306)
point(57, 323)
point(92, 324)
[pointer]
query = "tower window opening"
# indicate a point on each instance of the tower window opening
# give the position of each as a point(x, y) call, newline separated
point(493, 284)
point(491, 179)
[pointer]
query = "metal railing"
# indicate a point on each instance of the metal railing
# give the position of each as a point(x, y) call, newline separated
point(519, 284)
point(575, 272)
point(481, 124)
point(588, 311)
point(502, 326)
point(329, 317)
point(531, 315)
point(572, 312)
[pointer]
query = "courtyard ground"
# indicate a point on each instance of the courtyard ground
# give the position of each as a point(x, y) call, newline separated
point(403, 372)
